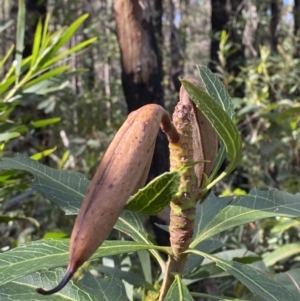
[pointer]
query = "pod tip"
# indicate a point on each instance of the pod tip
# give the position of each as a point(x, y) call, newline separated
point(62, 284)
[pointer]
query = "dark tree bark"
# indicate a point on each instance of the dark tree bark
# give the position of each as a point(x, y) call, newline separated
point(141, 68)
point(219, 20)
point(296, 12)
point(35, 9)
point(142, 75)
point(177, 44)
point(223, 13)
point(275, 7)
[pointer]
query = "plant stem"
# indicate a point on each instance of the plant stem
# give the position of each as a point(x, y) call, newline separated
point(175, 265)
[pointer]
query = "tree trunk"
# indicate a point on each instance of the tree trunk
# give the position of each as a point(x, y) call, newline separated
point(35, 9)
point(222, 16)
point(275, 7)
point(142, 74)
point(296, 12)
point(141, 67)
point(219, 20)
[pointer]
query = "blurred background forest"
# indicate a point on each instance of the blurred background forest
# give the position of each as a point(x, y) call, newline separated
point(142, 49)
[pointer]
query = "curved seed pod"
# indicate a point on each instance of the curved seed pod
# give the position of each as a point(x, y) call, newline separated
point(122, 171)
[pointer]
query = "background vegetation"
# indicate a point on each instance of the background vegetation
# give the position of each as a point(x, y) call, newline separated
point(254, 47)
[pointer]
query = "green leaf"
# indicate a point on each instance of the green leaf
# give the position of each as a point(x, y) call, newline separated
point(108, 289)
point(178, 291)
point(45, 37)
point(220, 121)
point(281, 253)
point(9, 52)
point(208, 246)
point(69, 51)
point(24, 288)
point(255, 280)
point(247, 208)
point(65, 188)
point(8, 136)
point(51, 253)
point(130, 224)
point(20, 35)
point(55, 235)
point(36, 43)
point(156, 195)
point(145, 261)
point(60, 39)
point(131, 277)
point(6, 25)
point(290, 280)
point(45, 153)
point(218, 92)
point(45, 76)
point(45, 122)
point(7, 83)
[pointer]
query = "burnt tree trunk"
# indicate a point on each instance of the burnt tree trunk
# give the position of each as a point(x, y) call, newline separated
point(141, 64)
point(225, 13)
point(141, 68)
point(275, 7)
point(296, 13)
point(35, 9)
point(219, 20)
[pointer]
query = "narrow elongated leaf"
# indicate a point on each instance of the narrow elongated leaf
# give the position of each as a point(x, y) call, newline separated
point(156, 195)
point(45, 153)
point(255, 280)
point(7, 55)
point(282, 253)
point(36, 43)
point(24, 288)
point(45, 122)
point(69, 51)
point(217, 91)
point(217, 298)
point(220, 121)
point(129, 276)
point(206, 211)
point(7, 83)
point(145, 261)
point(6, 25)
point(194, 261)
point(51, 253)
point(290, 280)
point(108, 289)
point(20, 35)
point(178, 291)
point(248, 208)
point(63, 38)
point(8, 136)
point(65, 188)
point(131, 224)
point(45, 36)
point(47, 75)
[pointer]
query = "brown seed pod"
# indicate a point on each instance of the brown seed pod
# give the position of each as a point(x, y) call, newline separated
point(122, 171)
point(205, 138)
